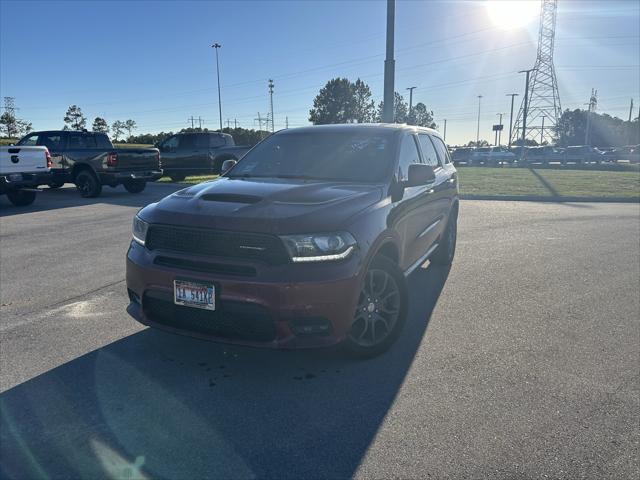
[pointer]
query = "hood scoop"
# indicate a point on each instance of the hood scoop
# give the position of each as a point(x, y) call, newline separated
point(230, 198)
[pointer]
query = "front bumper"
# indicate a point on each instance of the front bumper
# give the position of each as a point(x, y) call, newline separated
point(283, 306)
point(120, 177)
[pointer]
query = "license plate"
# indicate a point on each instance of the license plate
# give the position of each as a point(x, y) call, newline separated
point(194, 294)
point(15, 177)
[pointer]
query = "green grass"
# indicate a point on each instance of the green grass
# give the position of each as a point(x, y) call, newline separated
point(500, 182)
point(548, 182)
point(191, 180)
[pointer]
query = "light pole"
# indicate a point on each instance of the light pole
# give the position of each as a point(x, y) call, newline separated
point(411, 89)
point(512, 95)
point(478, 130)
point(444, 136)
point(217, 46)
point(499, 132)
point(271, 99)
point(389, 65)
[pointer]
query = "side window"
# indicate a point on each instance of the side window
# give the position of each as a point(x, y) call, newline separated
point(188, 141)
point(408, 155)
point(202, 140)
point(103, 141)
point(216, 141)
point(89, 141)
point(441, 148)
point(75, 141)
point(171, 144)
point(29, 140)
point(428, 152)
point(53, 141)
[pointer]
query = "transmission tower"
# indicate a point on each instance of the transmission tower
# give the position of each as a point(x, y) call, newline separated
point(543, 100)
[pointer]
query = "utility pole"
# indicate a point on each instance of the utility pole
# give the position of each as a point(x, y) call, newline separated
point(235, 123)
point(630, 110)
point(444, 136)
point(542, 130)
point(389, 65)
point(498, 141)
point(478, 130)
point(286, 122)
point(271, 100)
point(217, 46)
point(228, 124)
point(593, 102)
point(191, 119)
point(512, 95)
point(200, 122)
point(525, 110)
point(411, 89)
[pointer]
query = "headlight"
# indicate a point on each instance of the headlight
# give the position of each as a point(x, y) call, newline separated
point(319, 247)
point(139, 230)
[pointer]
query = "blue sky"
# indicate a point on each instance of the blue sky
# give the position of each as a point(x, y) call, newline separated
point(152, 61)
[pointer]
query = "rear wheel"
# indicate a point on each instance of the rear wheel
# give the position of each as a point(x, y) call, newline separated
point(88, 184)
point(446, 250)
point(134, 186)
point(21, 198)
point(381, 311)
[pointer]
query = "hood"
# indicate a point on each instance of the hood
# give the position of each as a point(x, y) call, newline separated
point(265, 205)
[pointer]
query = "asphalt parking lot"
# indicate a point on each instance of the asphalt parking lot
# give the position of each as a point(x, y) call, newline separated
point(522, 360)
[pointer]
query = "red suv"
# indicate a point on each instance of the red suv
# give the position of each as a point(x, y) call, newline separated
point(307, 241)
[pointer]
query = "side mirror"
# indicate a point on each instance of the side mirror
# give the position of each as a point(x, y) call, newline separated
point(420, 174)
point(227, 165)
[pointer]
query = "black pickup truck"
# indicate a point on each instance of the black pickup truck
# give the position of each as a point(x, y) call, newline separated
point(198, 153)
point(90, 160)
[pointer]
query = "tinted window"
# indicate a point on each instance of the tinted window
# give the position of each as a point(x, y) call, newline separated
point(102, 141)
point(29, 140)
point(441, 148)
point(171, 144)
point(80, 141)
point(202, 141)
point(428, 152)
point(188, 141)
point(53, 141)
point(216, 141)
point(353, 156)
point(408, 155)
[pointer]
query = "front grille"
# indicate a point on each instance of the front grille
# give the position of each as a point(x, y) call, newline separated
point(217, 243)
point(232, 320)
point(206, 267)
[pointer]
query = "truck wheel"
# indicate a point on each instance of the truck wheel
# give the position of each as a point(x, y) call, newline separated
point(134, 186)
point(381, 311)
point(21, 198)
point(88, 184)
point(445, 252)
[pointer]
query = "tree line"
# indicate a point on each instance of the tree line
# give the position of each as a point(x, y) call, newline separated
point(74, 119)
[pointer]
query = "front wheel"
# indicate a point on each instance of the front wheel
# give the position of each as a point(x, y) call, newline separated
point(134, 186)
point(446, 250)
point(21, 198)
point(381, 311)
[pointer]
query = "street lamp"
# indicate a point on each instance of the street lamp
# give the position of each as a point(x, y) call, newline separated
point(478, 130)
point(217, 46)
point(389, 65)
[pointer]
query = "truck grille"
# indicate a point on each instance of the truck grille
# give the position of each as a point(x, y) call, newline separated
point(217, 243)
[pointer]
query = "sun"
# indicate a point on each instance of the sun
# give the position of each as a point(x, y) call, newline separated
point(512, 14)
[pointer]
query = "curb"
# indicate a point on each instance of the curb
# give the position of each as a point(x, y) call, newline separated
point(554, 199)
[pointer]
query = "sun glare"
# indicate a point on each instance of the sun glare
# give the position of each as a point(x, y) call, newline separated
point(511, 14)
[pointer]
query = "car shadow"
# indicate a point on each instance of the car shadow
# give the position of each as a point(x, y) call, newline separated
point(156, 405)
point(68, 196)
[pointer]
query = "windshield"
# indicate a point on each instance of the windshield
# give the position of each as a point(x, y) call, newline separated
point(364, 156)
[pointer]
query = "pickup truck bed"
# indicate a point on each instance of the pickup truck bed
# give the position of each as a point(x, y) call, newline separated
point(22, 169)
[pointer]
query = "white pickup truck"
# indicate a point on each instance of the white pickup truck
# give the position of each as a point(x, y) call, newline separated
point(22, 169)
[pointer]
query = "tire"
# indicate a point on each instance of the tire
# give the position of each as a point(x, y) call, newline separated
point(134, 186)
point(21, 198)
point(443, 256)
point(54, 185)
point(88, 184)
point(177, 177)
point(381, 311)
